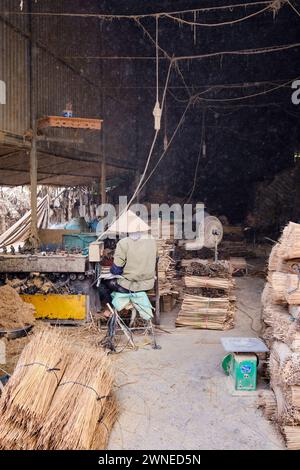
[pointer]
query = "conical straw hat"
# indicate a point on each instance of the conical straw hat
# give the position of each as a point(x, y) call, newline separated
point(128, 222)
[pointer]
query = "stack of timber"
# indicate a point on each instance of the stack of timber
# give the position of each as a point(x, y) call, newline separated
point(59, 397)
point(281, 316)
point(207, 299)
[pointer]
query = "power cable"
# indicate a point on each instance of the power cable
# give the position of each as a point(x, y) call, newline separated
point(199, 157)
point(109, 17)
point(294, 8)
point(231, 22)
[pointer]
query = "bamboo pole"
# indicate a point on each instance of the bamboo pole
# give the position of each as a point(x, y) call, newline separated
point(33, 237)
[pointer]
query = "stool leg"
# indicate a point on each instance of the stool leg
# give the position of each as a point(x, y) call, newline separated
point(154, 343)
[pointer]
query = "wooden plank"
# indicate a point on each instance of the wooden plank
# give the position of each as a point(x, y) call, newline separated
point(73, 122)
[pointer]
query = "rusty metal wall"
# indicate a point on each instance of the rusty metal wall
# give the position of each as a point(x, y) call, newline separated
point(60, 79)
point(14, 115)
point(57, 80)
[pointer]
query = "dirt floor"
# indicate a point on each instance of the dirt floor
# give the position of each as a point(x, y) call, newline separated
point(178, 397)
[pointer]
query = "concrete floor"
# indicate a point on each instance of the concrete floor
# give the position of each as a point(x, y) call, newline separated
point(178, 397)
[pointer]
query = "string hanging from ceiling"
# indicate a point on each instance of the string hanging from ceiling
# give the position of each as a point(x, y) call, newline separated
point(201, 153)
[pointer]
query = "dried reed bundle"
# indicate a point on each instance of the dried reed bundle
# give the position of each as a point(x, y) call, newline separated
point(274, 258)
point(105, 424)
point(295, 396)
point(286, 413)
point(27, 397)
point(267, 402)
point(206, 313)
point(14, 437)
point(279, 354)
point(290, 242)
point(292, 436)
point(207, 282)
point(197, 303)
point(166, 266)
point(284, 365)
point(78, 403)
point(277, 263)
point(217, 323)
point(294, 310)
point(266, 296)
point(292, 294)
point(284, 327)
point(278, 282)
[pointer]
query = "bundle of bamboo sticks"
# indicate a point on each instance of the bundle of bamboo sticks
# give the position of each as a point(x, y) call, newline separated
point(267, 402)
point(27, 397)
point(281, 315)
point(166, 266)
point(209, 282)
point(292, 436)
point(59, 397)
point(207, 312)
point(79, 403)
point(282, 326)
point(286, 287)
point(277, 263)
point(290, 242)
point(211, 304)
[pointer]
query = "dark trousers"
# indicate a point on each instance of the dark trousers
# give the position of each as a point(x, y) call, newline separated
point(107, 287)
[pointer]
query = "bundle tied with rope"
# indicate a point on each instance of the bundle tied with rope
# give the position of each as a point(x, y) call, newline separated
point(208, 301)
point(79, 404)
point(281, 317)
point(59, 397)
point(30, 390)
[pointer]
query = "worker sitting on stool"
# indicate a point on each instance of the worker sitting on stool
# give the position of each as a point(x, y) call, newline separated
point(134, 259)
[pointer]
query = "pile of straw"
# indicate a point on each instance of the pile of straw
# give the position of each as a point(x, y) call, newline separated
point(59, 397)
point(210, 283)
point(14, 313)
point(281, 316)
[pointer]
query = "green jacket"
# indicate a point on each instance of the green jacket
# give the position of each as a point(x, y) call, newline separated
point(138, 258)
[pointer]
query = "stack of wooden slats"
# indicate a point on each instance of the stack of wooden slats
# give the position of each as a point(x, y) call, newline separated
point(207, 300)
point(281, 315)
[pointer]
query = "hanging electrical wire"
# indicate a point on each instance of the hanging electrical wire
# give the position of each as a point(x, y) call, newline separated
point(293, 7)
point(269, 8)
point(202, 152)
point(157, 108)
point(109, 17)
